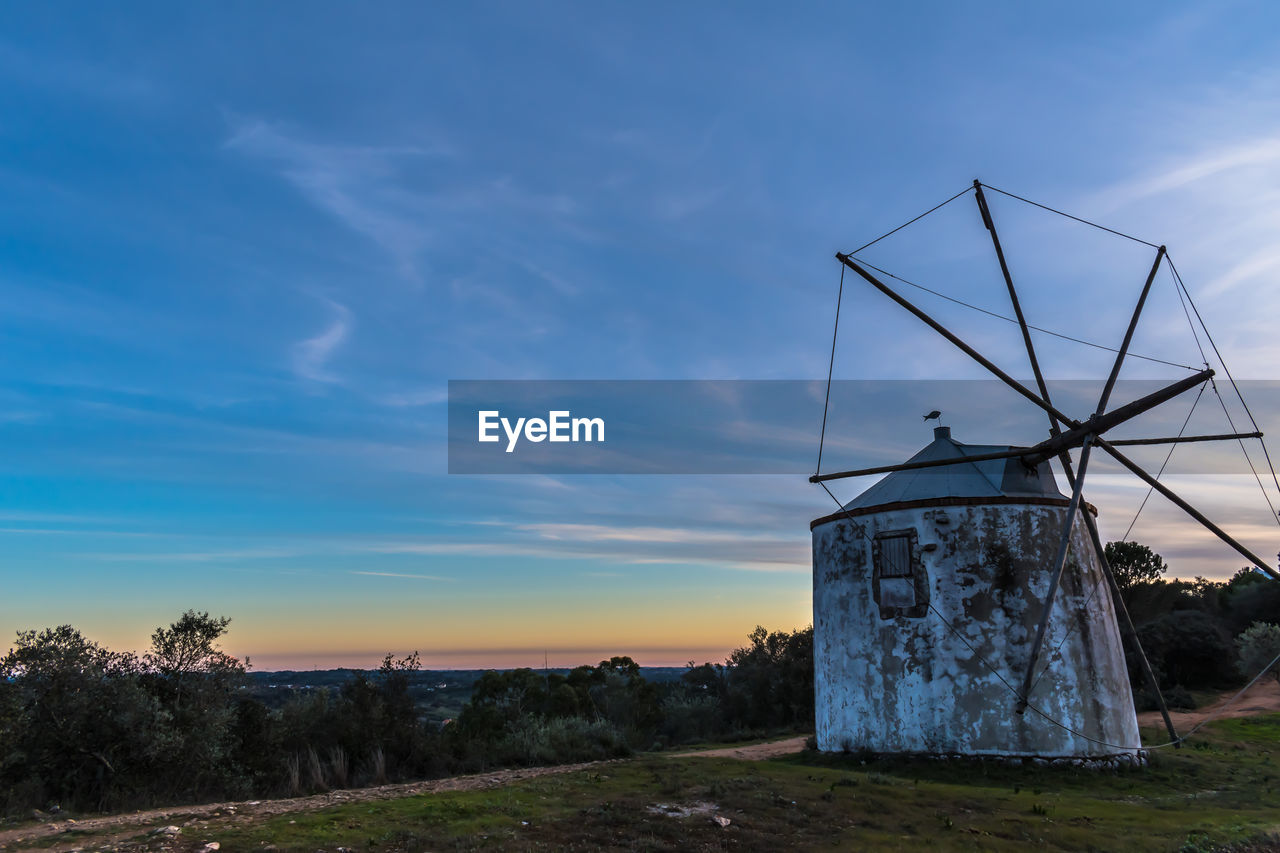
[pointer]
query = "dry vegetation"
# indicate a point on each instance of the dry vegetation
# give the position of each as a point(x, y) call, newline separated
point(1222, 792)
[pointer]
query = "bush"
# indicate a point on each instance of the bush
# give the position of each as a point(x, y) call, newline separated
point(690, 717)
point(1176, 698)
point(560, 740)
point(1250, 598)
point(79, 728)
point(1188, 648)
point(1259, 646)
point(91, 729)
point(769, 684)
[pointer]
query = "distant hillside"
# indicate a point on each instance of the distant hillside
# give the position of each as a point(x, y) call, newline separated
point(434, 678)
point(438, 693)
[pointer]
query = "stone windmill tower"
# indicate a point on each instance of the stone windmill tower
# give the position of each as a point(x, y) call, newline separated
point(963, 604)
point(961, 545)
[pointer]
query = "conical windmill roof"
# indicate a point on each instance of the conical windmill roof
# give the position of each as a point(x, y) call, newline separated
point(997, 478)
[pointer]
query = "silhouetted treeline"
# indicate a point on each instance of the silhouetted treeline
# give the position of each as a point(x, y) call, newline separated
point(1196, 634)
point(90, 729)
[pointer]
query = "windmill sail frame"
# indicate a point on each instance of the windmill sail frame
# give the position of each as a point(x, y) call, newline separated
point(1066, 433)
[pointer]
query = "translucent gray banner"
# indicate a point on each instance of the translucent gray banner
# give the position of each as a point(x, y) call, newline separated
point(773, 426)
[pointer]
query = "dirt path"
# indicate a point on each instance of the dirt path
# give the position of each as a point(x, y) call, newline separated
point(754, 752)
point(1262, 698)
point(119, 827)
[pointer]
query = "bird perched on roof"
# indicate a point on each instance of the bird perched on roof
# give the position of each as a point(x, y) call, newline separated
point(933, 416)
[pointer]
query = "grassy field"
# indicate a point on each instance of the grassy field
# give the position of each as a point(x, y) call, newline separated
point(1221, 792)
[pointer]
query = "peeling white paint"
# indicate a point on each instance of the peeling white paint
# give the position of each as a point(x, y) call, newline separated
point(907, 684)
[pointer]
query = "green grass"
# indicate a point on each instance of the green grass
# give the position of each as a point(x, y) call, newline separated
point(1225, 790)
point(1248, 731)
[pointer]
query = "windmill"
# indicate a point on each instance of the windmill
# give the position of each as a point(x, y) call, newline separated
point(894, 672)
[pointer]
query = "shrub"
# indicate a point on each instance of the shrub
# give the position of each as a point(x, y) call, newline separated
point(1250, 598)
point(561, 740)
point(1188, 648)
point(688, 718)
point(1259, 646)
point(315, 771)
point(339, 767)
point(770, 682)
point(1176, 698)
point(80, 728)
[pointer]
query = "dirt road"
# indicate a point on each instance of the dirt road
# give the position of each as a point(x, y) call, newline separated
point(118, 827)
point(1262, 698)
point(96, 832)
point(753, 752)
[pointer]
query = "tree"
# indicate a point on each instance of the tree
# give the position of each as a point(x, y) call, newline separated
point(1250, 597)
point(694, 707)
point(187, 659)
point(197, 682)
point(770, 682)
point(498, 699)
point(707, 678)
point(626, 698)
point(1133, 563)
point(79, 728)
point(1259, 647)
point(1187, 648)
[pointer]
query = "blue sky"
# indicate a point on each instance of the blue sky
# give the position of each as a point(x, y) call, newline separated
point(246, 246)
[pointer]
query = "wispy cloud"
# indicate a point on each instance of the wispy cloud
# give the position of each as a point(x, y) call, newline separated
point(722, 547)
point(53, 517)
point(356, 184)
point(557, 282)
point(676, 206)
point(62, 532)
point(1262, 264)
point(25, 416)
point(416, 397)
point(403, 575)
point(1209, 162)
point(311, 356)
point(209, 556)
point(394, 195)
point(605, 533)
point(65, 74)
point(1219, 205)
